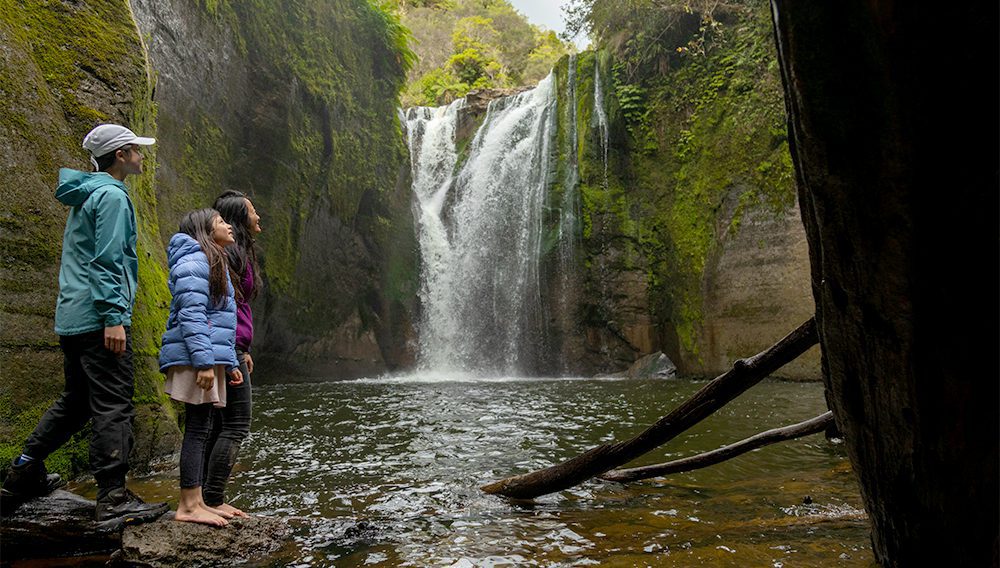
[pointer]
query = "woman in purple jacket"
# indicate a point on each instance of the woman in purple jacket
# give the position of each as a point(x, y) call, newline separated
point(232, 423)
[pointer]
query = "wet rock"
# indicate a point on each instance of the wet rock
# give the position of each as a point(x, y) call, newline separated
point(479, 99)
point(169, 543)
point(653, 366)
point(58, 524)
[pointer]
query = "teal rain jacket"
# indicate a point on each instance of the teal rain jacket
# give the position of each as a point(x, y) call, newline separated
point(97, 276)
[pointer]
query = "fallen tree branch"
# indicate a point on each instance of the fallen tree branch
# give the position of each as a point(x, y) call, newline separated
point(713, 396)
point(802, 429)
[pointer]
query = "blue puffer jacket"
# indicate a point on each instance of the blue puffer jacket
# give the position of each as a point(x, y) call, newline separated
point(198, 334)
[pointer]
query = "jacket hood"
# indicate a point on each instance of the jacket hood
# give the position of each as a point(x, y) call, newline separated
point(75, 186)
point(181, 245)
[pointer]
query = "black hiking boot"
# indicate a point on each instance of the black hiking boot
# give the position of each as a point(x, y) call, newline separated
point(24, 482)
point(122, 506)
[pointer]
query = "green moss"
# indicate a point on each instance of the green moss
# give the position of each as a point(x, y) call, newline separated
point(681, 143)
point(72, 48)
point(71, 43)
point(334, 156)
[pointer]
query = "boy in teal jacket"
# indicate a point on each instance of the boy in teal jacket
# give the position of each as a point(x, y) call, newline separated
point(97, 284)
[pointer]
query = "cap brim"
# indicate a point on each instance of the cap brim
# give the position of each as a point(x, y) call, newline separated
point(144, 141)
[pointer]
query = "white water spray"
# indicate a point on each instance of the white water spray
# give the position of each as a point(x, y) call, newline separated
point(480, 233)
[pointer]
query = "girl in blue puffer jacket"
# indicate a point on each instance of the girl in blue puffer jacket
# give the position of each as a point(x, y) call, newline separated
point(199, 346)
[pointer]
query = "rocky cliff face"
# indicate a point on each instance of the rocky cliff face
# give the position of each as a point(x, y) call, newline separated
point(690, 238)
point(296, 106)
point(756, 289)
point(298, 109)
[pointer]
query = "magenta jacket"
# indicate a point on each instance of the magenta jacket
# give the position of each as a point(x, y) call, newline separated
point(244, 316)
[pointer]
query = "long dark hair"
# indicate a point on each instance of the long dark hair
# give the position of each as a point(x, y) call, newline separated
point(198, 224)
point(232, 205)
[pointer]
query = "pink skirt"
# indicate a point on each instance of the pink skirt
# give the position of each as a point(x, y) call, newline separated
point(181, 385)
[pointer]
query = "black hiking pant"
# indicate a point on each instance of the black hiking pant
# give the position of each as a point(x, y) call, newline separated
point(230, 426)
point(99, 387)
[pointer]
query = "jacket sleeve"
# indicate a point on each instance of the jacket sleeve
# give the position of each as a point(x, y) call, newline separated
point(234, 362)
point(191, 299)
point(108, 282)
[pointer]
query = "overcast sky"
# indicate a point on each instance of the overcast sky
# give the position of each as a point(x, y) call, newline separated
point(547, 13)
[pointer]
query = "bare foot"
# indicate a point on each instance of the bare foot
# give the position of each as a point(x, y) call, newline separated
point(227, 508)
point(199, 515)
point(216, 511)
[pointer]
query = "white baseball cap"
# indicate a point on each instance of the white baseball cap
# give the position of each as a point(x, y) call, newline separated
point(107, 138)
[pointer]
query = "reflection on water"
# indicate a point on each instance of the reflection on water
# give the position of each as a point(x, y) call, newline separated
point(386, 473)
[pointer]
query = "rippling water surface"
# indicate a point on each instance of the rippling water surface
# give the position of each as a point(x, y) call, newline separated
point(385, 472)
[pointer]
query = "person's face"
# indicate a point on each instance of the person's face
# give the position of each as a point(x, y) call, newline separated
point(253, 221)
point(131, 157)
point(222, 233)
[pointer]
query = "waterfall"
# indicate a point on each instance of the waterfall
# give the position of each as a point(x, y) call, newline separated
point(601, 116)
point(480, 233)
point(431, 139)
point(567, 293)
point(570, 200)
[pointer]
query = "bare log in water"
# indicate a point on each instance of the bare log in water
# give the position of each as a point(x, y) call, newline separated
point(802, 429)
point(713, 396)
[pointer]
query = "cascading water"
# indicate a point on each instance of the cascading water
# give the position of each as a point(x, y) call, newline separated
point(567, 280)
point(601, 117)
point(570, 199)
point(480, 233)
point(431, 139)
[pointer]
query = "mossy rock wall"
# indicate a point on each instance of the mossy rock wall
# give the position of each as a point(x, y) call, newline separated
point(297, 106)
point(690, 236)
point(65, 67)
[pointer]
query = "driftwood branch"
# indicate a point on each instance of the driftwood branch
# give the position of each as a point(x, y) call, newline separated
point(713, 396)
point(802, 429)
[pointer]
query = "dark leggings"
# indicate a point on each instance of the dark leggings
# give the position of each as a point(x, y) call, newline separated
point(197, 427)
point(230, 427)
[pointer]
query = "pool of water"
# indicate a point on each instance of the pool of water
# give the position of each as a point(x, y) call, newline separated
point(386, 472)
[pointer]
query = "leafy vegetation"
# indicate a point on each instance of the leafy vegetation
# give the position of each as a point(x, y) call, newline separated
point(463, 45)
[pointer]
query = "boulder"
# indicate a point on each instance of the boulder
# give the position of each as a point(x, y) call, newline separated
point(62, 524)
point(58, 524)
point(169, 543)
point(653, 366)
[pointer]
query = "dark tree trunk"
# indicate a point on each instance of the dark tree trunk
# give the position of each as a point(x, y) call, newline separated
point(893, 116)
point(713, 396)
point(766, 438)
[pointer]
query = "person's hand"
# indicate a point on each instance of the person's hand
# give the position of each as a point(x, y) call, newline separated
point(235, 378)
point(114, 339)
point(205, 378)
point(249, 361)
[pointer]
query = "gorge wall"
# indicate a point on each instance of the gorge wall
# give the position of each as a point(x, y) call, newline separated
point(690, 237)
point(294, 105)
